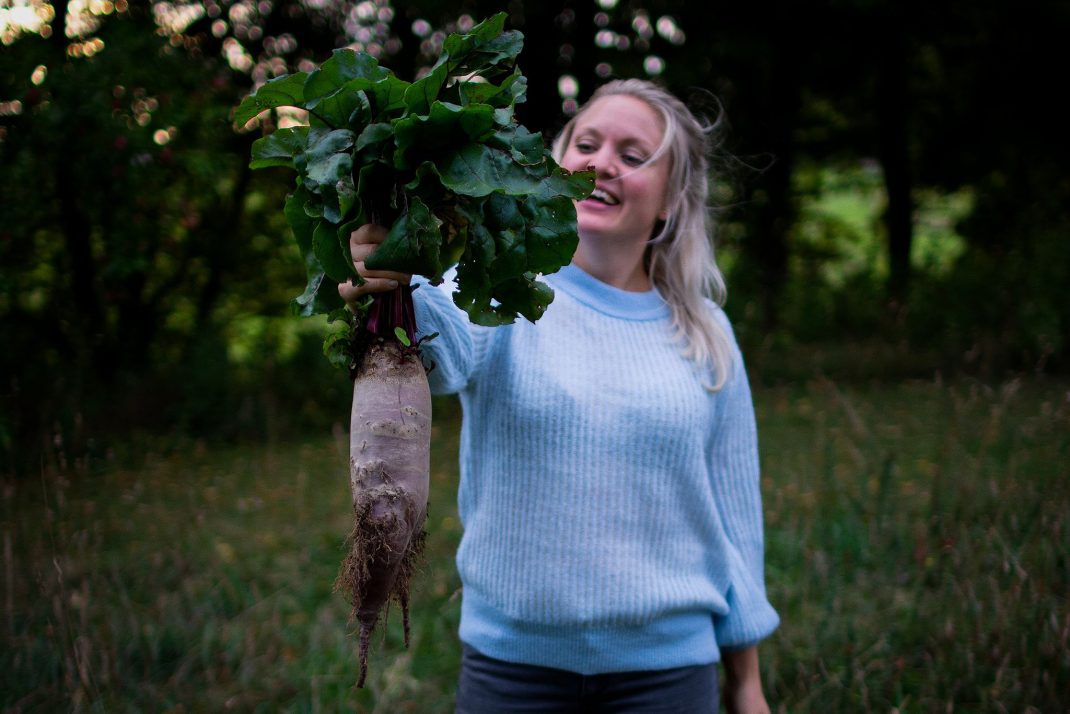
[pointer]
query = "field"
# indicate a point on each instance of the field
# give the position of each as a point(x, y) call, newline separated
point(918, 550)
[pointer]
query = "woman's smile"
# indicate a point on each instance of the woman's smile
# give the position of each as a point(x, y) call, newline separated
point(619, 137)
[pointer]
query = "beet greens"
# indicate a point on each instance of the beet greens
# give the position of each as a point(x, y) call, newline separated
point(441, 161)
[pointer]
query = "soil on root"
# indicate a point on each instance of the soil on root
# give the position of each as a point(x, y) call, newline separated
point(375, 570)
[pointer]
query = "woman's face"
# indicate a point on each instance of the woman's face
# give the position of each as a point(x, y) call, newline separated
point(617, 135)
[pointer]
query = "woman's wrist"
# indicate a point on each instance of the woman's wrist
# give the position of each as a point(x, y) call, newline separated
point(743, 682)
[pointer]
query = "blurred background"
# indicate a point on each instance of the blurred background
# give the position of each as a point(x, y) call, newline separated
point(893, 209)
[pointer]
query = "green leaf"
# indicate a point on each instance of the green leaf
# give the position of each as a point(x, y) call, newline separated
point(347, 197)
point(327, 155)
point(530, 236)
point(412, 244)
point(388, 95)
point(561, 182)
point(332, 92)
point(523, 295)
point(300, 222)
point(338, 265)
point(328, 171)
point(399, 332)
point(342, 314)
point(479, 170)
point(374, 134)
point(510, 257)
point(510, 92)
point(484, 31)
point(502, 212)
point(339, 69)
point(375, 186)
point(343, 109)
point(445, 126)
point(524, 146)
point(420, 94)
point(304, 305)
point(485, 49)
point(336, 350)
point(337, 197)
point(279, 148)
point(321, 294)
point(284, 91)
point(473, 282)
point(427, 186)
point(344, 232)
point(338, 343)
point(550, 240)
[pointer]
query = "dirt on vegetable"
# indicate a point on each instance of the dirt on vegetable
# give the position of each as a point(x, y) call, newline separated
point(390, 441)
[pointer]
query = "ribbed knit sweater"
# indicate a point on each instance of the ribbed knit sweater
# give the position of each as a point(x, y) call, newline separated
point(611, 506)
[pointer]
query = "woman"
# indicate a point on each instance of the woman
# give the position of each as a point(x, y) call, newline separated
point(612, 551)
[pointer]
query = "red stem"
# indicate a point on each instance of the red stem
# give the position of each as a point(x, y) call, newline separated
point(390, 310)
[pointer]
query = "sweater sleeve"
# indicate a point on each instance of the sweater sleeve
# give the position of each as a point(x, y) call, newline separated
point(735, 479)
point(454, 353)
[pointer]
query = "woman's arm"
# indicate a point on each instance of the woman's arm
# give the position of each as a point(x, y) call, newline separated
point(743, 682)
point(735, 478)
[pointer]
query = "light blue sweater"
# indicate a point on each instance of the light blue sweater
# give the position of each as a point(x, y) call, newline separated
point(611, 506)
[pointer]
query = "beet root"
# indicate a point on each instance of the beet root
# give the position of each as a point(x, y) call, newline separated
point(390, 436)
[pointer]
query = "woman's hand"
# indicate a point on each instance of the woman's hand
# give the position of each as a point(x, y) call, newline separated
point(362, 242)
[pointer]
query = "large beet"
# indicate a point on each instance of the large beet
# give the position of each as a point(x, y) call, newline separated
point(390, 443)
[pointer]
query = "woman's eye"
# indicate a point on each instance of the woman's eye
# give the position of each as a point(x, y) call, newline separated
point(584, 148)
point(634, 160)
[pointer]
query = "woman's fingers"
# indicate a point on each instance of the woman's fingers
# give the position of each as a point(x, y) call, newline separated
point(351, 293)
point(362, 243)
point(368, 234)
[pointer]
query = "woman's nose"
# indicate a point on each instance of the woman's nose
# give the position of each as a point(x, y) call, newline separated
point(603, 165)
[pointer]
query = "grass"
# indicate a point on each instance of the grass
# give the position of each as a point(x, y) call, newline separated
point(918, 550)
point(918, 547)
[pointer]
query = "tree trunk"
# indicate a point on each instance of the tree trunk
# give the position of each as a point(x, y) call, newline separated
point(775, 217)
point(74, 221)
point(894, 153)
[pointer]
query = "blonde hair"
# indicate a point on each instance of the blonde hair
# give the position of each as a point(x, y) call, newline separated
point(680, 258)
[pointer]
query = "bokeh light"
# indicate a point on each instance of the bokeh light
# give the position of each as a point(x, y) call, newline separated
point(668, 29)
point(568, 86)
point(421, 28)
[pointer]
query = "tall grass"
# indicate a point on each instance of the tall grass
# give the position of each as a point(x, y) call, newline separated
point(202, 581)
point(918, 549)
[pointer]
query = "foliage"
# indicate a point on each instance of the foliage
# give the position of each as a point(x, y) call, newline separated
point(916, 537)
point(136, 241)
point(124, 205)
point(442, 161)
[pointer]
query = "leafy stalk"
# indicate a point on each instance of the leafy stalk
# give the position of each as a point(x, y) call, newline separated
point(441, 161)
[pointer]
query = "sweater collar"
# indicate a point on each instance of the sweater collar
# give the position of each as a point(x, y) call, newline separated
point(605, 298)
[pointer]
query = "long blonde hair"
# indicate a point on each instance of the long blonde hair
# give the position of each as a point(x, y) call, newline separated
point(680, 258)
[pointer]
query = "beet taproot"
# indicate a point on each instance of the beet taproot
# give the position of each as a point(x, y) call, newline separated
point(390, 444)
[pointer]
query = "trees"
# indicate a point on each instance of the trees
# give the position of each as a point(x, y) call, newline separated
point(125, 203)
point(134, 235)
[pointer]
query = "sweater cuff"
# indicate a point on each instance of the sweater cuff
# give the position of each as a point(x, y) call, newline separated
point(750, 618)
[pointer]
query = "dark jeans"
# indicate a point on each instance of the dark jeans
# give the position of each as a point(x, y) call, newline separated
point(491, 686)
